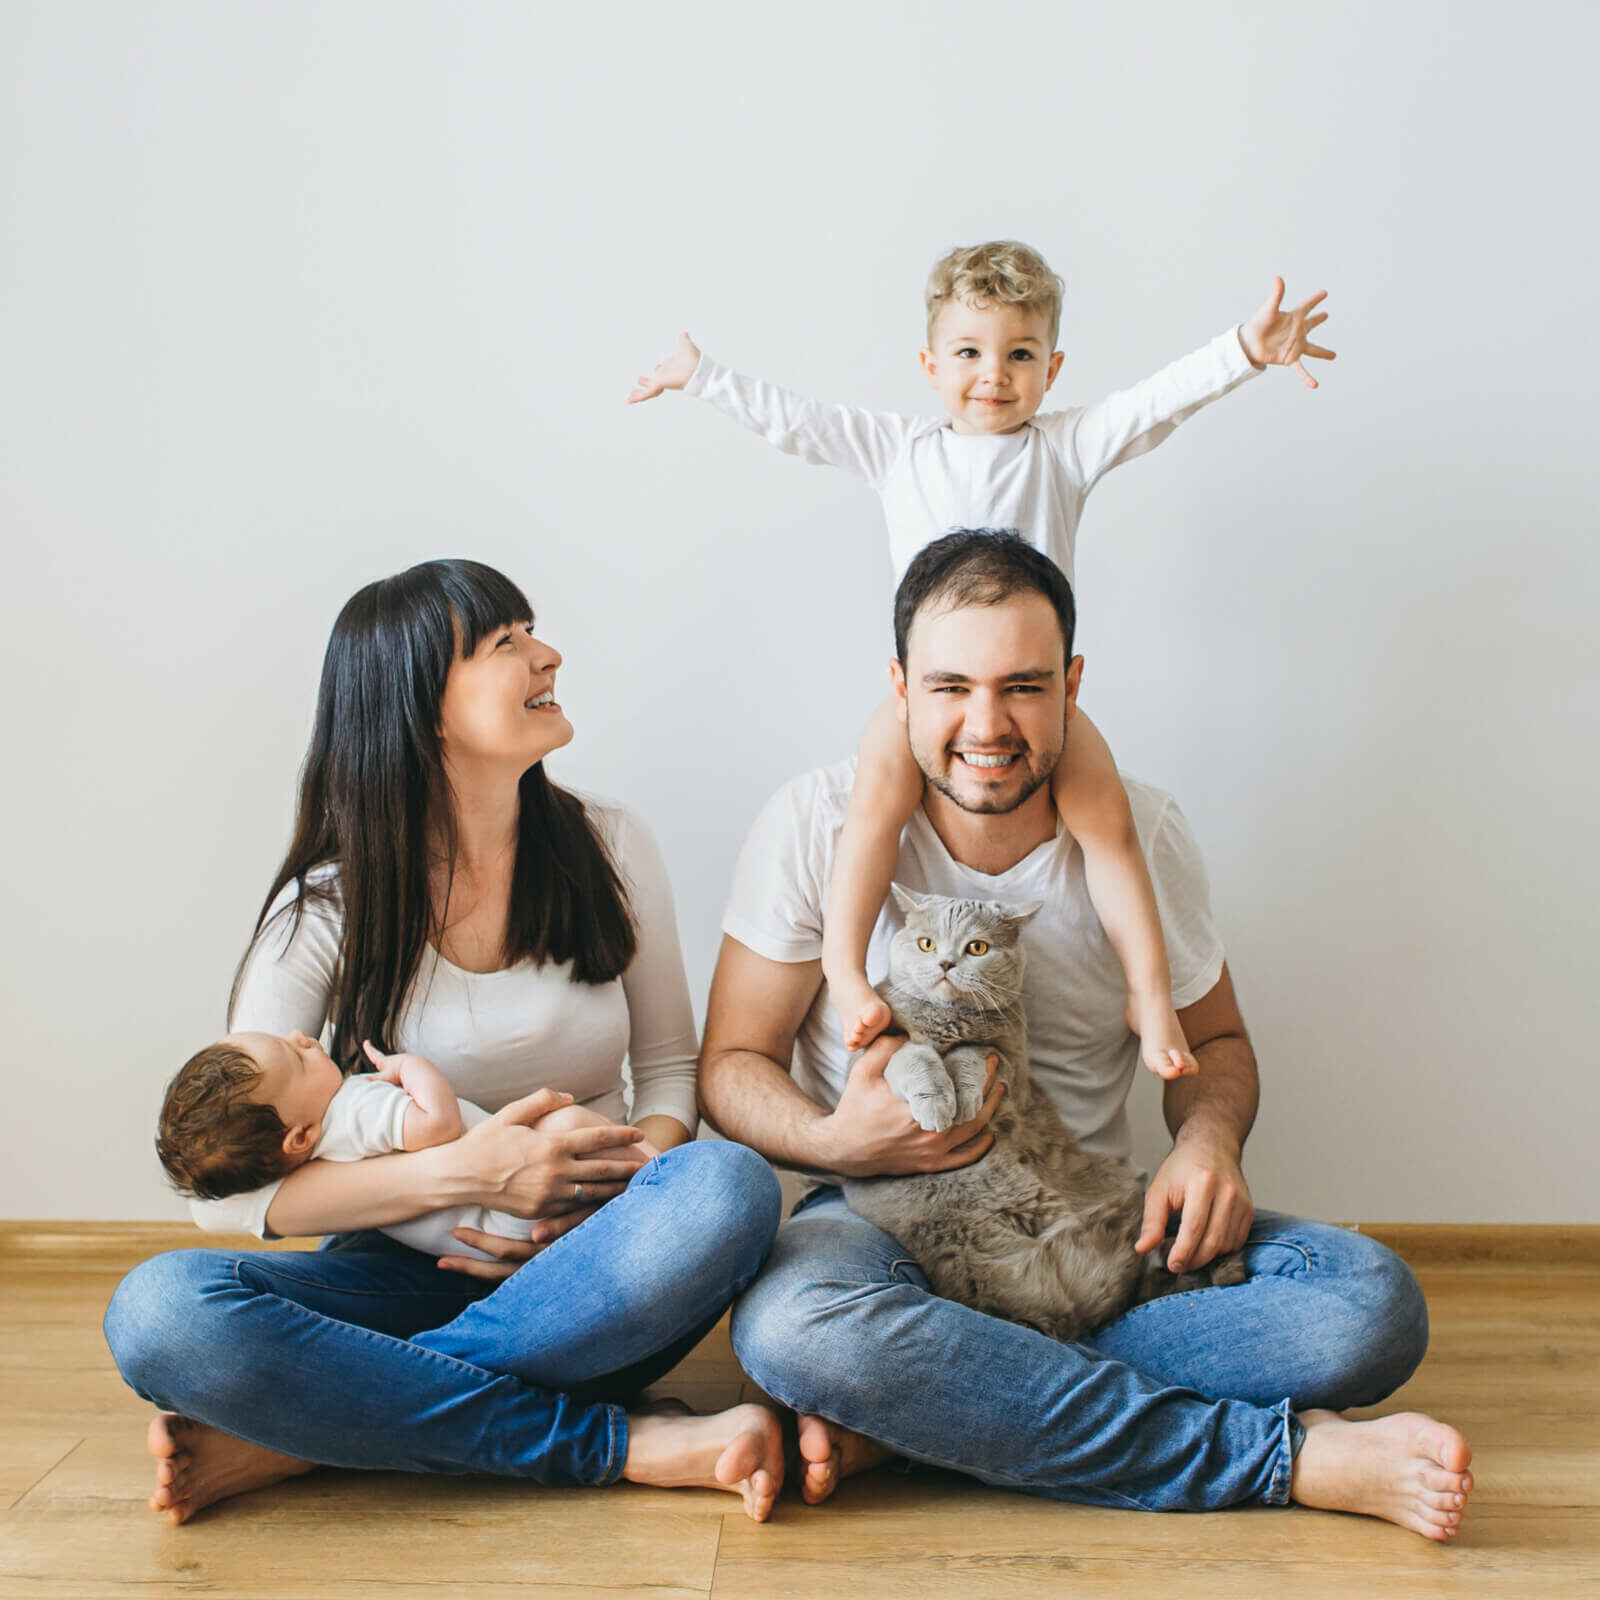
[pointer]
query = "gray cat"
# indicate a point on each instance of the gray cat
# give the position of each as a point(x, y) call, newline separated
point(1038, 1231)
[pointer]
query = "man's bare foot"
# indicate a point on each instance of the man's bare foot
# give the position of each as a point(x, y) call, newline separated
point(1162, 1045)
point(739, 1449)
point(1407, 1469)
point(832, 1454)
point(863, 1012)
point(197, 1465)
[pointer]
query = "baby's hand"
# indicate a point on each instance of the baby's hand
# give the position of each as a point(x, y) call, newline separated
point(1274, 337)
point(389, 1067)
point(672, 373)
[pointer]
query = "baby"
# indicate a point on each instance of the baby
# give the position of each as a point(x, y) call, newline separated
point(251, 1108)
point(993, 314)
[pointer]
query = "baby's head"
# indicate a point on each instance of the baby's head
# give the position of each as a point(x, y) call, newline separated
point(994, 311)
point(243, 1112)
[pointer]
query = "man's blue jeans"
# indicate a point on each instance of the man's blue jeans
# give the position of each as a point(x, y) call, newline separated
point(1182, 1404)
point(365, 1354)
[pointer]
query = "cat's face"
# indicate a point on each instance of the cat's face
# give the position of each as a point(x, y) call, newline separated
point(960, 952)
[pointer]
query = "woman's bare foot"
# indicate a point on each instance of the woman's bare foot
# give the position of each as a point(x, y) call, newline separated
point(196, 1465)
point(1162, 1045)
point(1407, 1469)
point(831, 1455)
point(739, 1449)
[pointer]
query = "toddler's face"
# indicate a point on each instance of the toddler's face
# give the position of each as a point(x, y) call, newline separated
point(991, 365)
point(298, 1078)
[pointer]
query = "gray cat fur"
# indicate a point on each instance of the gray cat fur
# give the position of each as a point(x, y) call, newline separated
point(1038, 1231)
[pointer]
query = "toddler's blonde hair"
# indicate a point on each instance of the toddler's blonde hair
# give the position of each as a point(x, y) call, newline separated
point(1002, 272)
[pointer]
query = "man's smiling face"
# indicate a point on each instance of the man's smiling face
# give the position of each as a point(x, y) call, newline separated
point(986, 691)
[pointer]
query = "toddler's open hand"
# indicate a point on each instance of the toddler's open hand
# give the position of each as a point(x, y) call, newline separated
point(1274, 337)
point(672, 373)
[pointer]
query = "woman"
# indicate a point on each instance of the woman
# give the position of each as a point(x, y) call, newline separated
point(442, 896)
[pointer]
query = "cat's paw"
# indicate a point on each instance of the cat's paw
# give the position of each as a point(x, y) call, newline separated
point(969, 1101)
point(934, 1111)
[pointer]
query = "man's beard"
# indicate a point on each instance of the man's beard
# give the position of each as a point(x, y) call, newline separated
point(1037, 777)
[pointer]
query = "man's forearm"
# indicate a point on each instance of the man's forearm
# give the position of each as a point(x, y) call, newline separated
point(1220, 1102)
point(749, 1097)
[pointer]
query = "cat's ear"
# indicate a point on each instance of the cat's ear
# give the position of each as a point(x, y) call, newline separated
point(1022, 911)
point(909, 900)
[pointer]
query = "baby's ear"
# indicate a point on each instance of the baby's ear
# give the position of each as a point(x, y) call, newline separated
point(299, 1141)
point(1024, 911)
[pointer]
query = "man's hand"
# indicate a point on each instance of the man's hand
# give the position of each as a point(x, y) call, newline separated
point(1202, 1179)
point(871, 1132)
point(672, 373)
point(1274, 337)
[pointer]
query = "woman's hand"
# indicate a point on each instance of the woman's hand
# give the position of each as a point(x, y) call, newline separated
point(522, 1169)
point(510, 1254)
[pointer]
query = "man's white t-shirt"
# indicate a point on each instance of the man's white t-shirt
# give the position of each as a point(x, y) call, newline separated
point(1074, 989)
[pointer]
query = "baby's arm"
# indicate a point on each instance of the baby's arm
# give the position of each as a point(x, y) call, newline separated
point(864, 442)
point(886, 791)
point(1094, 806)
point(434, 1116)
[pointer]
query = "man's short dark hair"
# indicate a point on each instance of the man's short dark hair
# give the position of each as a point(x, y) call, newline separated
point(980, 567)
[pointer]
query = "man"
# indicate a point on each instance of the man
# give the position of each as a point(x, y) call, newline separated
point(1188, 1402)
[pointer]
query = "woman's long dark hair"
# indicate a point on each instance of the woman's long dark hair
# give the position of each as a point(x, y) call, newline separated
point(374, 798)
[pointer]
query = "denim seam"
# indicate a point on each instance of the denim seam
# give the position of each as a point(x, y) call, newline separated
point(1277, 1493)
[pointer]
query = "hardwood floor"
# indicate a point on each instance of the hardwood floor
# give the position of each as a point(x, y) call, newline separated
point(1515, 1364)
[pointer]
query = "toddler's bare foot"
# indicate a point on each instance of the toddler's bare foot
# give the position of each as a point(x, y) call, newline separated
point(832, 1454)
point(1162, 1045)
point(1407, 1469)
point(740, 1449)
point(863, 1012)
point(197, 1465)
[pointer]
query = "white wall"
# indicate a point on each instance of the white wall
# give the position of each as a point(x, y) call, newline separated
point(294, 295)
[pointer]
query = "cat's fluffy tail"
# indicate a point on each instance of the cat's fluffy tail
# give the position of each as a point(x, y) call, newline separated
point(1226, 1272)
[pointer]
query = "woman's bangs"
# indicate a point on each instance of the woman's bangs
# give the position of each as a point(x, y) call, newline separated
point(481, 600)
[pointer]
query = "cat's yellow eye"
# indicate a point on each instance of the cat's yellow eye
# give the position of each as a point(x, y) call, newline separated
point(925, 944)
point(978, 947)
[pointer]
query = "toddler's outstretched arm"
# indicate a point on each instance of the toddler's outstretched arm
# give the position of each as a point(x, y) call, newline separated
point(672, 373)
point(1094, 806)
point(434, 1116)
point(887, 790)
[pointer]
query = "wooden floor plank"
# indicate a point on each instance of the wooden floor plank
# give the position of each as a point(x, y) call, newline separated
point(1514, 1362)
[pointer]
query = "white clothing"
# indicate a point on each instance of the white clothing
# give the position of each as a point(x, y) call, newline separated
point(1082, 1052)
point(500, 1035)
point(932, 479)
point(367, 1117)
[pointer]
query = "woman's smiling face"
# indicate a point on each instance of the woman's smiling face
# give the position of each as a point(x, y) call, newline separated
point(499, 704)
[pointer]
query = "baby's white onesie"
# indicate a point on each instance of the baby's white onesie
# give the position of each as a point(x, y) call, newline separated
point(367, 1117)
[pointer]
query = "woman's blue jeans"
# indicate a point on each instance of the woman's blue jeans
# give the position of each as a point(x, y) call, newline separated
point(1183, 1404)
point(366, 1354)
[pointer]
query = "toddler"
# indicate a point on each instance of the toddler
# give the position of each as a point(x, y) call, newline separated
point(993, 314)
point(251, 1108)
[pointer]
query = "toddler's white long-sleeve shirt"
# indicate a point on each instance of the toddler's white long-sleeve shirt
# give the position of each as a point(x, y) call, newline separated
point(932, 479)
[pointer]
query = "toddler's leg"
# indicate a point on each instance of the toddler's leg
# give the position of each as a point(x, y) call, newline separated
point(1094, 806)
point(887, 790)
